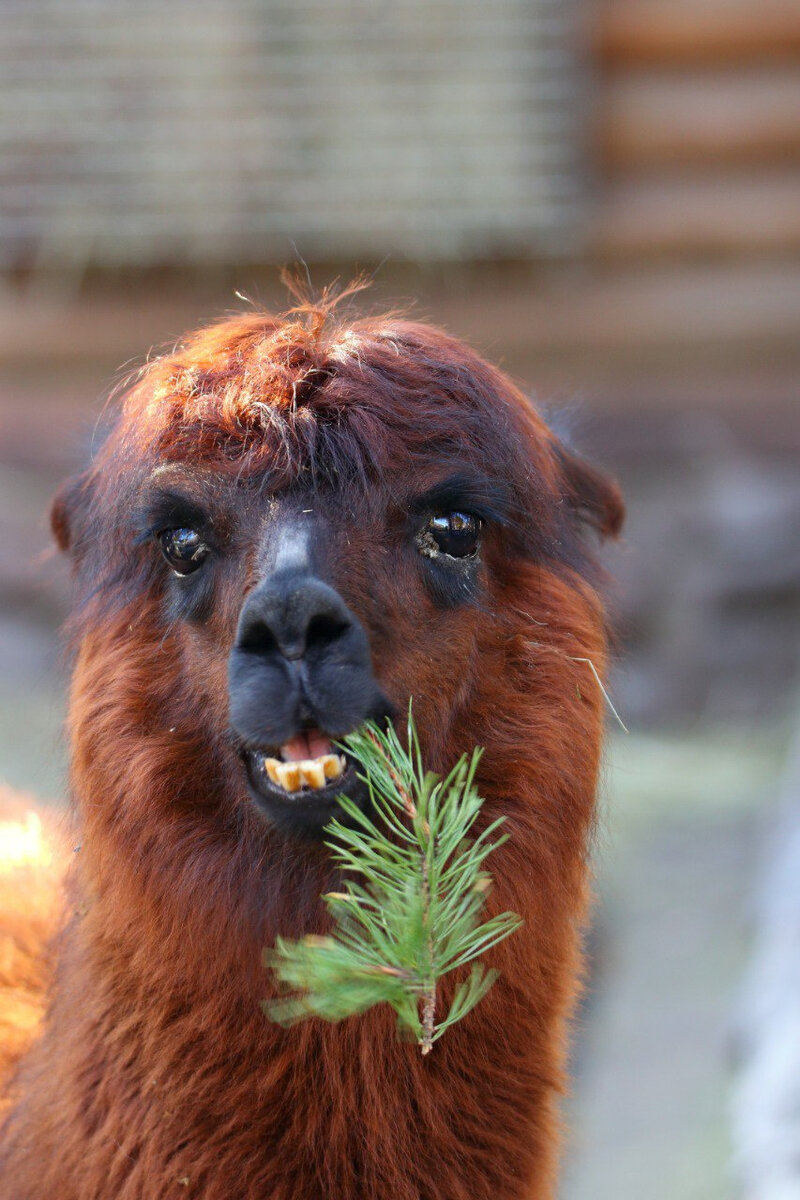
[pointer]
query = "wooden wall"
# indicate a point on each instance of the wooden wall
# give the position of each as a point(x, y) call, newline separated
point(698, 127)
point(251, 130)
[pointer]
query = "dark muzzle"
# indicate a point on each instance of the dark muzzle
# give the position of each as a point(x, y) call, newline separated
point(300, 675)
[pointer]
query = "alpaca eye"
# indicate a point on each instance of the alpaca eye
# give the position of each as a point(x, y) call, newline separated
point(456, 533)
point(183, 549)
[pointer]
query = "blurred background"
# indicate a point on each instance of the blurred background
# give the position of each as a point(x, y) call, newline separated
point(604, 197)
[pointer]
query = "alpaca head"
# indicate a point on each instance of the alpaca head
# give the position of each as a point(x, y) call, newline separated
point(298, 523)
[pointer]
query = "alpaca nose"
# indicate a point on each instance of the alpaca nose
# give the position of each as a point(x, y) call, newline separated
point(301, 658)
point(295, 615)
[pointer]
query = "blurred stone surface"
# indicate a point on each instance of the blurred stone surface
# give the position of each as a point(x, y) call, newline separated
point(707, 578)
point(676, 850)
point(32, 684)
point(766, 1095)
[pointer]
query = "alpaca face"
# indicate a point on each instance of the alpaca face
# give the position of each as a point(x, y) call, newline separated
point(288, 532)
point(310, 600)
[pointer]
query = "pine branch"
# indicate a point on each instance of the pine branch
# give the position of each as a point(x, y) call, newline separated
point(408, 912)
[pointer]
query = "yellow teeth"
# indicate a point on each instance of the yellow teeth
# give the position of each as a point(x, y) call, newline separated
point(333, 765)
point(313, 774)
point(310, 772)
point(289, 776)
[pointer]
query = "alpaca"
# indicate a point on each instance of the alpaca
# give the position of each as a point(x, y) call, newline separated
point(294, 524)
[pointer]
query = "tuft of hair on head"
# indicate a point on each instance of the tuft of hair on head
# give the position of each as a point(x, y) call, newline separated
point(316, 308)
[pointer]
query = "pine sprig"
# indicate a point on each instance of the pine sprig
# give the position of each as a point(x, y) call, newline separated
point(409, 909)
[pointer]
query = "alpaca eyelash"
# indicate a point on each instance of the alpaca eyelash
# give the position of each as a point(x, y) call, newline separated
point(167, 511)
point(486, 499)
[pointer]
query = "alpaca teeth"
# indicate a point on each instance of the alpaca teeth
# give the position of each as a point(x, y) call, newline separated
point(271, 767)
point(333, 765)
point(289, 776)
point(311, 772)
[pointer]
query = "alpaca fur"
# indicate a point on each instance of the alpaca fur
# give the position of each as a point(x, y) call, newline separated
point(156, 1072)
point(31, 903)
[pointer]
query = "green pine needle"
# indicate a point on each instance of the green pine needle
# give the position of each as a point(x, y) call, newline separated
point(409, 908)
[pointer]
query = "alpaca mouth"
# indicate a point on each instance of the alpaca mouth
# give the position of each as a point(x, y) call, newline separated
point(306, 762)
point(313, 773)
point(304, 776)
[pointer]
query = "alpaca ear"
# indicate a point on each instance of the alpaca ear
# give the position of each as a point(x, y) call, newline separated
point(594, 496)
point(69, 505)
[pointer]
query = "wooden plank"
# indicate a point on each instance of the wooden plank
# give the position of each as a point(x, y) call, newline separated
point(720, 213)
point(659, 31)
point(732, 117)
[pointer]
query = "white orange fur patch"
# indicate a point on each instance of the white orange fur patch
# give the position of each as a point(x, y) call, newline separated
point(32, 862)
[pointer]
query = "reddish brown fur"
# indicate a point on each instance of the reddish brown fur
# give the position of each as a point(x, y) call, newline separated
point(156, 1073)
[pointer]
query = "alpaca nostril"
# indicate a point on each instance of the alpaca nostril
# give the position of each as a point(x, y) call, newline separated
point(324, 628)
point(257, 638)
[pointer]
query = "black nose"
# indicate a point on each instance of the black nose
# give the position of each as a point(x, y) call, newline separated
point(300, 658)
point(296, 615)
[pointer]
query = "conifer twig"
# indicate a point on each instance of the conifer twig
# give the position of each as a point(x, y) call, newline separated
point(408, 910)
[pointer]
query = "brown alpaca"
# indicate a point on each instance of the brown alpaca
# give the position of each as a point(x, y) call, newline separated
point(296, 523)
